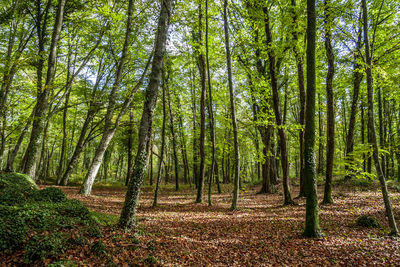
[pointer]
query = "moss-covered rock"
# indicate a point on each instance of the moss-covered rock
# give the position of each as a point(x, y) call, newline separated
point(38, 220)
point(50, 194)
point(367, 221)
point(16, 188)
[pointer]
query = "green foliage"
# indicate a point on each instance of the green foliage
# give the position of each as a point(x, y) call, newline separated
point(394, 185)
point(44, 213)
point(50, 194)
point(367, 221)
point(16, 188)
point(43, 246)
point(104, 218)
point(13, 230)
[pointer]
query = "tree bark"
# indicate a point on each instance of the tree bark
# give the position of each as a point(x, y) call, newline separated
point(330, 124)
point(312, 221)
point(172, 128)
point(357, 79)
point(159, 171)
point(371, 125)
point(233, 111)
point(127, 220)
point(32, 152)
point(277, 110)
point(202, 69)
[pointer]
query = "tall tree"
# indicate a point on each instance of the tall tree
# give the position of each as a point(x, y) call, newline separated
point(310, 184)
point(233, 112)
point(371, 123)
point(128, 215)
point(202, 70)
point(330, 123)
point(42, 104)
point(277, 110)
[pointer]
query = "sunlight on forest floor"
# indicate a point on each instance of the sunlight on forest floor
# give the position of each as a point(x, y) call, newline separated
point(262, 232)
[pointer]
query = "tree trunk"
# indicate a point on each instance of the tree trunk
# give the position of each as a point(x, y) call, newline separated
point(172, 128)
point(155, 201)
point(371, 125)
point(110, 127)
point(277, 110)
point(202, 69)
point(330, 124)
point(302, 97)
point(128, 215)
point(310, 184)
point(357, 79)
point(32, 152)
point(233, 112)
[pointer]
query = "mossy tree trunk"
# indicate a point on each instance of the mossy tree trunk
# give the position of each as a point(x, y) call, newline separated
point(127, 220)
point(312, 221)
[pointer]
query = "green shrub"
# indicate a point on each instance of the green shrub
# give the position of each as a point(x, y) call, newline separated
point(43, 246)
point(367, 221)
point(16, 188)
point(13, 230)
point(73, 208)
point(50, 194)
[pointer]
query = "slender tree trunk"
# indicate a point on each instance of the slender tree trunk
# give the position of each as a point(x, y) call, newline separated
point(357, 79)
point(371, 125)
point(129, 147)
point(210, 113)
point(330, 125)
point(32, 152)
point(155, 201)
point(233, 112)
point(172, 128)
point(128, 215)
point(277, 110)
point(302, 96)
point(195, 141)
point(110, 127)
point(320, 168)
point(381, 123)
point(202, 69)
point(312, 221)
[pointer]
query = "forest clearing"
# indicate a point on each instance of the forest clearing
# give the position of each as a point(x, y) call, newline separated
point(199, 133)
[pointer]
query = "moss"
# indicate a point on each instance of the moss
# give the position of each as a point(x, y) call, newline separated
point(50, 194)
point(43, 214)
point(13, 230)
point(16, 188)
point(43, 246)
point(367, 221)
point(104, 218)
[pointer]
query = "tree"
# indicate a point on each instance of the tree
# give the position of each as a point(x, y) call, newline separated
point(41, 108)
point(232, 108)
point(202, 70)
point(310, 184)
point(330, 123)
point(127, 220)
point(371, 123)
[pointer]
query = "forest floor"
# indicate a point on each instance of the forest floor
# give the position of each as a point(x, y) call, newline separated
point(262, 232)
